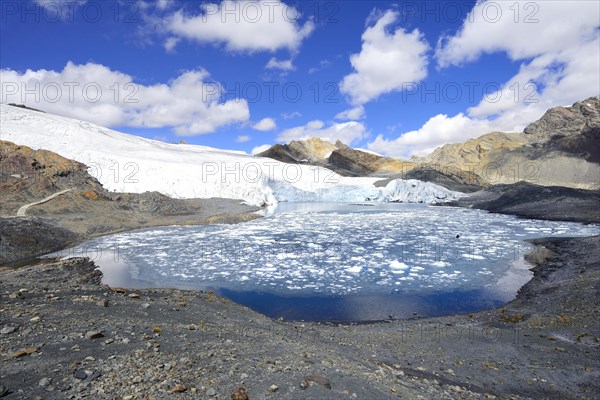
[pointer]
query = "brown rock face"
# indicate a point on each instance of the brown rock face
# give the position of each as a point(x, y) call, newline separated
point(560, 149)
point(566, 121)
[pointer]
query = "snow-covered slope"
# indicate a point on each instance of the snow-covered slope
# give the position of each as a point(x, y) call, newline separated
point(128, 163)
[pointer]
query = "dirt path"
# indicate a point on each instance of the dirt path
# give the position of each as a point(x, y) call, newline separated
point(22, 212)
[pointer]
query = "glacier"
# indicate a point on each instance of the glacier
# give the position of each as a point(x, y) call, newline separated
point(132, 164)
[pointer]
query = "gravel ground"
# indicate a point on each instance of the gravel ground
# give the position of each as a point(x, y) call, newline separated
point(65, 335)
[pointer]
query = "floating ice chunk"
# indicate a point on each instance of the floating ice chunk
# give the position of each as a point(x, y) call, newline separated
point(440, 264)
point(397, 265)
point(354, 270)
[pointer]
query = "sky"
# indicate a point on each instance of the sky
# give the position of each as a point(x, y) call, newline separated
point(399, 78)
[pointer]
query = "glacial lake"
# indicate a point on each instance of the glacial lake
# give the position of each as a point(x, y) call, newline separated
point(337, 262)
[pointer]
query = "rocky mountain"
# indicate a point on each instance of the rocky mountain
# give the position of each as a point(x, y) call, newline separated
point(337, 157)
point(560, 149)
point(347, 161)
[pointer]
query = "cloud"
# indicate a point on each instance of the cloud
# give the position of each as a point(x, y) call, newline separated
point(265, 124)
point(243, 139)
point(55, 10)
point(442, 129)
point(387, 61)
point(347, 132)
point(353, 114)
point(265, 25)
point(561, 60)
point(59, 5)
point(522, 29)
point(322, 65)
point(260, 149)
point(164, 4)
point(284, 65)
point(560, 56)
point(292, 115)
point(93, 92)
point(170, 44)
point(437, 131)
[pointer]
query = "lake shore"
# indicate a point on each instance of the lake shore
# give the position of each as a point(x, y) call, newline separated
point(65, 335)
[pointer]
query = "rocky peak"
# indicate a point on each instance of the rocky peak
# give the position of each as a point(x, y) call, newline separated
point(567, 121)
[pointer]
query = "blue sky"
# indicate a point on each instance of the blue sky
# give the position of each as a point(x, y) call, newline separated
point(399, 78)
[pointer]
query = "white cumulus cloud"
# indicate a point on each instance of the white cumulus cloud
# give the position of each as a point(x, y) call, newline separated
point(351, 114)
point(188, 104)
point(387, 62)
point(265, 124)
point(242, 25)
point(347, 132)
point(558, 45)
point(284, 65)
point(522, 29)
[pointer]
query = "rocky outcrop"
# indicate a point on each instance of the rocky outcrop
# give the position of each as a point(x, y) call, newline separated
point(540, 202)
point(28, 175)
point(313, 150)
point(25, 238)
point(447, 176)
point(560, 149)
point(474, 152)
point(583, 116)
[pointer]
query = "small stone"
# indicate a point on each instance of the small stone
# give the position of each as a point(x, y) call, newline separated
point(138, 379)
point(134, 295)
point(19, 354)
point(179, 389)
point(211, 392)
point(273, 388)
point(80, 374)
point(23, 290)
point(8, 330)
point(128, 397)
point(318, 379)
point(93, 375)
point(192, 327)
point(109, 341)
point(35, 319)
point(45, 382)
point(145, 305)
point(241, 393)
point(102, 303)
point(89, 358)
point(243, 376)
point(93, 335)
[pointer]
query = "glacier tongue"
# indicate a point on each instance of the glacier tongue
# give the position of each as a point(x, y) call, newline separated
point(128, 163)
